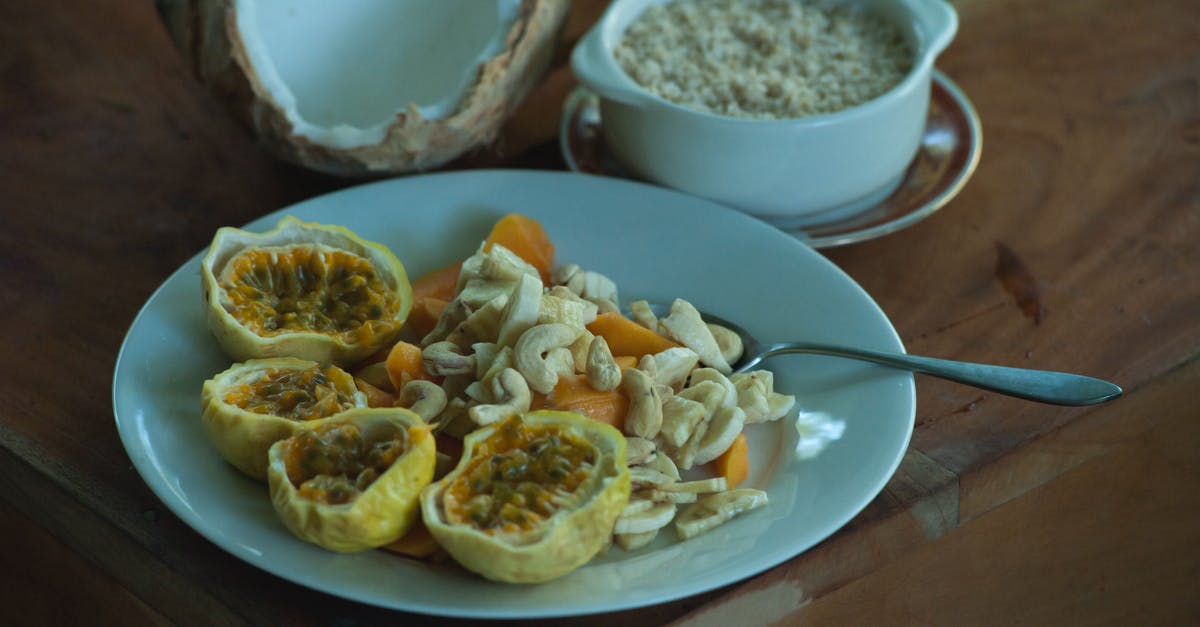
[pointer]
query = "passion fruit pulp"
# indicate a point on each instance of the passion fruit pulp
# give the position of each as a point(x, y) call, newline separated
point(532, 498)
point(254, 404)
point(304, 290)
point(353, 481)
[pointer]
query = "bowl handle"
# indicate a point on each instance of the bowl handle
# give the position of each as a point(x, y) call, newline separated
point(594, 66)
point(939, 21)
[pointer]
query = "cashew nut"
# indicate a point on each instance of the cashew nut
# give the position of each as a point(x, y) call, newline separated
point(496, 264)
point(643, 476)
point(673, 497)
point(766, 376)
point(579, 349)
point(588, 308)
point(716, 509)
point(482, 325)
point(443, 358)
point(685, 456)
point(561, 275)
point(699, 486)
point(663, 464)
point(724, 427)
point(478, 292)
point(638, 450)
point(561, 362)
point(728, 342)
point(512, 397)
point(490, 359)
point(778, 405)
point(542, 370)
point(604, 305)
point(454, 419)
point(647, 365)
point(672, 366)
point(711, 394)
point(640, 311)
point(479, 392)
point(679, 419)
point(521, 312)
point(752, 390)
point(602, 371)
point(571, 311)
point(685, 326)
point(658, 516)
point(636, 506)
point(635, 541)
point(712, 374)
point(451, 317)
point(485, 354)
point(592, 286)
point(424, 398)
point(503, 264)
point(597, 287)
point(645, 416)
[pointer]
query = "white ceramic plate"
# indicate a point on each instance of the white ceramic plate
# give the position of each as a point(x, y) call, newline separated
point(656, 244)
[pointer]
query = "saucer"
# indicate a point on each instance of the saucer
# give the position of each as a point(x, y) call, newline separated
point(946, 158)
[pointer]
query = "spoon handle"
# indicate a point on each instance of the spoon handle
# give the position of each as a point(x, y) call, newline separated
point(1059, 388)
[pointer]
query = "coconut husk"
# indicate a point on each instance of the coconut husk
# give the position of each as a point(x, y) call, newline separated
point(206, 33)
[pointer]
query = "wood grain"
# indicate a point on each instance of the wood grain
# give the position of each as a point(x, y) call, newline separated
point(67, 590)
point(1097, 545)
point(117, 166)
point(1088, 178)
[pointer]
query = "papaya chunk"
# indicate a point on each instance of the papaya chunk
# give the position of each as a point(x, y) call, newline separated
point(424, 315)
point(418, 542)
point(734, 463)
point(628, 338)
point(439, 284)
point(404, 364)
point(525, 237)
point(574, 394)
point(376, 397)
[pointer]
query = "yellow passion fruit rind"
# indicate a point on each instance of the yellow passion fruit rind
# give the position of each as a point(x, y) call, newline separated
point(252, 405)
point(353, 482)
point(532, 498)
point(305, 290)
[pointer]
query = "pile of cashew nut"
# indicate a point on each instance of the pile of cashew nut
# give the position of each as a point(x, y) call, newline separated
point(507, 335)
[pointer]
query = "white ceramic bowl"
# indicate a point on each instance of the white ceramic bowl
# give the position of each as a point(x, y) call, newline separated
point(785, 171)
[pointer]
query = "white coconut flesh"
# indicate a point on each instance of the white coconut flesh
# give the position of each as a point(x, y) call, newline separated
point(340, 70)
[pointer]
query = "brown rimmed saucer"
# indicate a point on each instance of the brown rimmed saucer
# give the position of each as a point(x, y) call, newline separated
point(949, 152)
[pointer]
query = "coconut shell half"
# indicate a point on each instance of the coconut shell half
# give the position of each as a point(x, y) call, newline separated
point(209, 36)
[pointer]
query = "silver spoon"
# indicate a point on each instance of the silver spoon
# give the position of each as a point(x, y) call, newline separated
point(1058, 388)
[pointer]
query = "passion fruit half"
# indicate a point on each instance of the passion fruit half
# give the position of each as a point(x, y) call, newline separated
point(352, 482)
point(254, 404)
point(532, 498)
point(305, 290)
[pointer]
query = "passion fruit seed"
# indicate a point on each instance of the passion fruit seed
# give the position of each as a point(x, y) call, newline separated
point(336, 464)
point(308, 288)
point(307, 394)
point(522, 477)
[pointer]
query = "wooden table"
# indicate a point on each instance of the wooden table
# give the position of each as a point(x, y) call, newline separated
point(116, 167)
